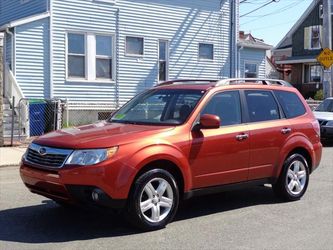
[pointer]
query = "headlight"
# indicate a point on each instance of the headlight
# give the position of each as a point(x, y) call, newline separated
point(329, 124)
point(90, 156)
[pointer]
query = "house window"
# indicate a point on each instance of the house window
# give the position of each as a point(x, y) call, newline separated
point(134, 46)
point(206, 51)
point(163, 60)
point(251, 70)
point(76, 55)
point(312, 73)
point(90, 57)
point(104, 57)
point(315, 37)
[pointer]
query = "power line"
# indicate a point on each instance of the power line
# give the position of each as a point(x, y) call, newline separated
point(262, 6)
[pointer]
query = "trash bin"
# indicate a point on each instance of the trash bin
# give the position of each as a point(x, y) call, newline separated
point(37, 111)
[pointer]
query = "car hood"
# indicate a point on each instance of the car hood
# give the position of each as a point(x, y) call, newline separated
point(328, 116)
point(98, 135)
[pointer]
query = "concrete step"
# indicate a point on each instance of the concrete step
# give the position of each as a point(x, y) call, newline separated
point(8, 119)
point(6, 107)
point(8, 126)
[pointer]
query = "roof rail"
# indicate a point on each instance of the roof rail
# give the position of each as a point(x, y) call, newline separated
point(228, 81)
point(188, 81)
point(263, 81)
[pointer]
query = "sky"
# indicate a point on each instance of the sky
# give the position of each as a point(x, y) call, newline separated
point(273, 21)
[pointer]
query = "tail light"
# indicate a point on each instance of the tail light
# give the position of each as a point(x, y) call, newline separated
point(316, 126)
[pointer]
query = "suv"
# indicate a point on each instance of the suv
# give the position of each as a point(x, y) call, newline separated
point(177, 140)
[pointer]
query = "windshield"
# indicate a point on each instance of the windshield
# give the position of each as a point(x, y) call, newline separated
point(325, 106)
point(159, 106)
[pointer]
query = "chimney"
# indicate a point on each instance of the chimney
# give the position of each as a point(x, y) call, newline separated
point(241, 35)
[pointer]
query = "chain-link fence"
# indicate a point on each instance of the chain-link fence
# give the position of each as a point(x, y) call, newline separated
point(78, 113)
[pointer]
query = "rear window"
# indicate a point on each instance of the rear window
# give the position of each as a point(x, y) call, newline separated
point(291, 104)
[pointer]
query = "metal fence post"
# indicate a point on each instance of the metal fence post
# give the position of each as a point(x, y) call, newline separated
point(13, 122)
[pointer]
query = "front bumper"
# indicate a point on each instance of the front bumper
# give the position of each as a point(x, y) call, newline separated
point(326, 132)
point(65, 186)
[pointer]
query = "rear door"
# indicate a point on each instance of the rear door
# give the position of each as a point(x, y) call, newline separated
point(268, 131)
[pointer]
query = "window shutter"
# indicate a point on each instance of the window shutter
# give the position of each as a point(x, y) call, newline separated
point(321, 35)
point(307, 37)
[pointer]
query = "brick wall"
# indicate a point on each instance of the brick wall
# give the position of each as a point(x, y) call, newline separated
point(1, 89)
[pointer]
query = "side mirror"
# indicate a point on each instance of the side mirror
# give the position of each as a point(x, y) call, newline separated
point(209, 121)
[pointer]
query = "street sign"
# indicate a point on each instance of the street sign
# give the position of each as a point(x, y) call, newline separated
point(325, 58)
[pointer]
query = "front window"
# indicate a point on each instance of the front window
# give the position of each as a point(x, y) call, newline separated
point(313, 73)
point(76, 55)
point(159, 107)
point(225, 105)
point(325, 106)
point(315, 37)
point(251, 70)
point(163, 60)
point(104, 57)
point(90, 57)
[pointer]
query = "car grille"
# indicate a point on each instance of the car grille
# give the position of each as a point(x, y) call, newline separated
point(47, 157)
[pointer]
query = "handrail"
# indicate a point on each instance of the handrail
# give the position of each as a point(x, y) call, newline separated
point(12, 89)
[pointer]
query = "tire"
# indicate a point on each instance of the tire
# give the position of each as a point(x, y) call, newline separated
point(154, 200)
point(294, 178)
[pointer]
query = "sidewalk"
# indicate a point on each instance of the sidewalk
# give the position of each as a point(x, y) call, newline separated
point(11, 156)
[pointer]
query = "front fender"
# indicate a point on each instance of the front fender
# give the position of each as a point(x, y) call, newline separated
point(153, 153)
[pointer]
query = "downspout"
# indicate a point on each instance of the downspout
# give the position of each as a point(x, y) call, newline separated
point(12, 63)
point(117, 59)
point(50, 3)
point(231, 36)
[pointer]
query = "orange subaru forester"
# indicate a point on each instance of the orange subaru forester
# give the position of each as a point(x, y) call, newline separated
point(179, 139)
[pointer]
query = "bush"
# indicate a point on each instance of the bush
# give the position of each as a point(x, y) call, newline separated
point(319, 95)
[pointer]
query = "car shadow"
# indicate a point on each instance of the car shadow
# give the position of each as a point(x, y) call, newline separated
point(49, 222)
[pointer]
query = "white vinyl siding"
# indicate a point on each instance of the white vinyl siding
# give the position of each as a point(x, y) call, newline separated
point(32, 58)
point(253, 56)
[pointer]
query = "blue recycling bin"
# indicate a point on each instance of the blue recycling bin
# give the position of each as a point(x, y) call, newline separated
point(37, 112)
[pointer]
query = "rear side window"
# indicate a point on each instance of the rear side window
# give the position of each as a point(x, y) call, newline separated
point(261, 106)
point(291, 104)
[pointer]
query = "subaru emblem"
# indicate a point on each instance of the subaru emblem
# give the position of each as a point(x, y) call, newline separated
point(42, 151)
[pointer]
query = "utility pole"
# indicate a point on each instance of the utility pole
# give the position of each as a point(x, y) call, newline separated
point(327, 43)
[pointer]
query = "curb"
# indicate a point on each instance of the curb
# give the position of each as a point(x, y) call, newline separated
point(10, 165)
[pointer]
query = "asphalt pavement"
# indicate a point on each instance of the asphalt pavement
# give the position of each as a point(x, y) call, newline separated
point(244, 219)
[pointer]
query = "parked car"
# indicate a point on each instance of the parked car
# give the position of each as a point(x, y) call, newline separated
point(177, 140)
point(324, 114)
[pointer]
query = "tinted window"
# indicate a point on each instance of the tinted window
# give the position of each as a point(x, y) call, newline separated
point(225, 105)
point(261, 106)
point(291, 104)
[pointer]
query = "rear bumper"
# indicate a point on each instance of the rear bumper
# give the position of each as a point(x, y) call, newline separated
point(316, 155)
point(50, 184)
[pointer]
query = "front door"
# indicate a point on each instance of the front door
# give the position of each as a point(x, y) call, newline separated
point(220, 156)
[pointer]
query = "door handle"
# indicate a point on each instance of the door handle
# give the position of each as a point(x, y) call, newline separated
point(242, 137)
point(285, 131)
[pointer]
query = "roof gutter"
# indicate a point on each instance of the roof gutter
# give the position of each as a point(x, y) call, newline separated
point(24, 20)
